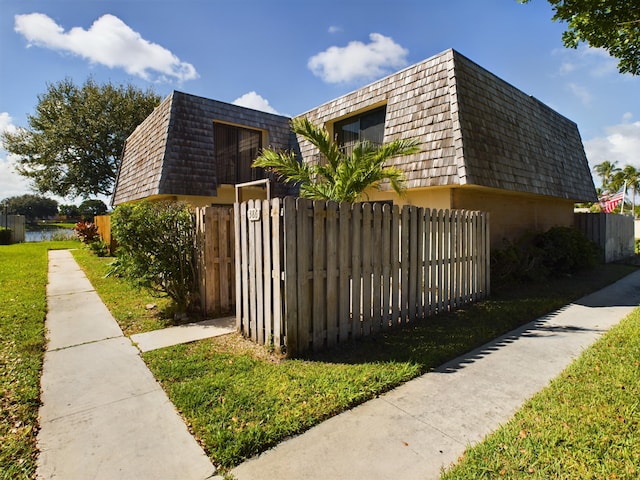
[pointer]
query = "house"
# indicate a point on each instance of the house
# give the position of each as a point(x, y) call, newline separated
point(485, 145)
point(196, 150)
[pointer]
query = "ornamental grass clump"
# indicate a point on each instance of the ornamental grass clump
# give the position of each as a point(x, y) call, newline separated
point(156, 250)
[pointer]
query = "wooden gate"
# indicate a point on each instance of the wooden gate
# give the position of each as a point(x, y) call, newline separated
point(215, 259)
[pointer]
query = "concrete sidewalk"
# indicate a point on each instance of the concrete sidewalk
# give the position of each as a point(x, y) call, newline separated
point(414, 430)
point(103, 415)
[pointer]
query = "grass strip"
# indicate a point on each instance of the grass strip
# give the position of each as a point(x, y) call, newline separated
point(23, 276)
point(240, 400)
point(584, 425)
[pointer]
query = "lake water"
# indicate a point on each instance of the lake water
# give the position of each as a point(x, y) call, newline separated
point(46, 235)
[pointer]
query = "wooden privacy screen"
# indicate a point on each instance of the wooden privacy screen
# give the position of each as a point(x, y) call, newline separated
point(312, 274)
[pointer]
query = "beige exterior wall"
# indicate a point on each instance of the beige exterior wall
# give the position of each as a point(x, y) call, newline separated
point(439, 198)
point(512, 214)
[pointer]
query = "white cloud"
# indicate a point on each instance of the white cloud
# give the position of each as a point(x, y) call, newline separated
point(334, 29)
point(621, 144)
point(6, 125)
point(581, 92)
point(110, 42)
point(594, 62)
point(358, 60)
point(255, 101)
point(11, 184)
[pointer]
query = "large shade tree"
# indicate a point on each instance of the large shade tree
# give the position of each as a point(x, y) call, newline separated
point(610, 24)
point(344, 176)
point(76, 136)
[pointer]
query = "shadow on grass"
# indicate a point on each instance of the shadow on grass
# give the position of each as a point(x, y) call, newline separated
point(479, 329)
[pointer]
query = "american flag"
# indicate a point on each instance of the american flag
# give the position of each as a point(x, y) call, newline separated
point(609, 202)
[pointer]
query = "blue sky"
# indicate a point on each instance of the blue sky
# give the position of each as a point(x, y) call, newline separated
point(288, 56)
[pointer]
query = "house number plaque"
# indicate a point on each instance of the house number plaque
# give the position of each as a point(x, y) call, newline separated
point(253, 214)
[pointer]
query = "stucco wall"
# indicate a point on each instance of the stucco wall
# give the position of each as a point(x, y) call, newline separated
point(511, 214)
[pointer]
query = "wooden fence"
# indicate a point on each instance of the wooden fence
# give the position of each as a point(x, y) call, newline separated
point(310, 275)
point(215, 259)
point(103, 222)
point(614, 233)
point(16, 224)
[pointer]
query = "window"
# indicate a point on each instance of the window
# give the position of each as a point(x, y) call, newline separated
point(235, 150)
point(366, 126)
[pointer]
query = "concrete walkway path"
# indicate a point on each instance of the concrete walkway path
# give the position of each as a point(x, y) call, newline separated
point(414, 430)
point(189, 332)
point(103, 415)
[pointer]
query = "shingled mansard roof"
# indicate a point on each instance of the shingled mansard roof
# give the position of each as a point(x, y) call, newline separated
point(475, 129)
point(172, 153)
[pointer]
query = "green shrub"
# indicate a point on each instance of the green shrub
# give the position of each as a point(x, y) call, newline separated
point(99, 248)
point(534, 257)
point(566, 250)
point(5, 236)
point(517, 261)
point(156, 250)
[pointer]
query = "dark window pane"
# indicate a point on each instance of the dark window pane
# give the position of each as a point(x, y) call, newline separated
point(372, 126)
point(235, 150)
point(368, 126)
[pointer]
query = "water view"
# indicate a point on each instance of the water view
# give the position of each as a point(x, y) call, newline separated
point(49, 234)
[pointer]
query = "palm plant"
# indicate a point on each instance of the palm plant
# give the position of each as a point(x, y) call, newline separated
point(344, 177)
point(607, 172)
point(632, 177)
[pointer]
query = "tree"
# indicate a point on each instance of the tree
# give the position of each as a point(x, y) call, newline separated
point(344, 177)
point(32, 207)
point(90, 208)
point(606, 171)
point(610, 24)
point(69, 211)
point(632, 179)
point(75, 138)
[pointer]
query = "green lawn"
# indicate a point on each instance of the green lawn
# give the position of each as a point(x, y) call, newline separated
point(584, 425)
point(23, 276)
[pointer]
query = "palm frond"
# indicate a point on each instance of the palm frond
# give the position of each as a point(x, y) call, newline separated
point(284, 165)
point(320, 138)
